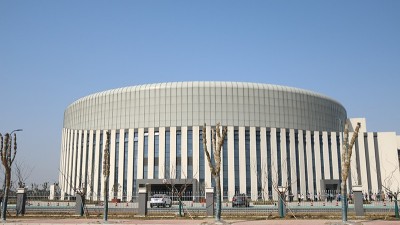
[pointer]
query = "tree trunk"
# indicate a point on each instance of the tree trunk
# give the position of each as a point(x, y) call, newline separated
point(6, 191)
point(344, 200)
point(105, 216)
point(218, 198)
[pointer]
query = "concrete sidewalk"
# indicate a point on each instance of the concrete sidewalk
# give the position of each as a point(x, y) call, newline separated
point(44, 221)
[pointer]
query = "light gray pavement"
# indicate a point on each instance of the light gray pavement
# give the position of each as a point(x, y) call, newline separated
point(44, 221)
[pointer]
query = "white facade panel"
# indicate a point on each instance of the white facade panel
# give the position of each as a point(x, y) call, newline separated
point(161, 162)
point(184, 153)
point(150, 158)
point(335, 159)
point(327, 171)
point(231, 162)
point(372, 161)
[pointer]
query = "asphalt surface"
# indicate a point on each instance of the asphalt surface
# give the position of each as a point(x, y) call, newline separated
point(44, 221)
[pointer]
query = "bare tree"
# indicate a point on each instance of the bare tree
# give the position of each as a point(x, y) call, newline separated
point(215, 167)
point(22, 173)
point(178, 190)
point(7, 159)
point(346, 159)
point(389, 188)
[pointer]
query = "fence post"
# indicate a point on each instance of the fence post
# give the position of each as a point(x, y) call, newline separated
point(21, 201)
point(358, 200)
point(210, 201)
point(79, 204)
point(142, 211)
point(281, 204)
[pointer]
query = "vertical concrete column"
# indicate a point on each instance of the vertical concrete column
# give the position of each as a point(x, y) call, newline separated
point(210, 201)
point(358, 200)
point(142, 210)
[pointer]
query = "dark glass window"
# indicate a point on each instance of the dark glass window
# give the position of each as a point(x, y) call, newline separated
point(135, 162)
point(269, 161)
point(313, 162)
point(339, 157)
point(73, 160)
point(236, 159)
point(178, 154)
point(321, 147)
point(87, 161)
point(81, 161)
point(145, 155)
point(201, 159)
point(167, 153)
point(258, 156)
point(225, 167)
point(305, 160)
point(100, 171)
point(248, 166)
point(279, 158)
point(93, 163)
point(330, 156)
point(156, 154)
point(190, 154)
point(288, 163)
point(116, 184)
point(296, 148)
point(125, 174)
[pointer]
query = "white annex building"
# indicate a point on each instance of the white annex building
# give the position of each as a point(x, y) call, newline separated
point(277, 136)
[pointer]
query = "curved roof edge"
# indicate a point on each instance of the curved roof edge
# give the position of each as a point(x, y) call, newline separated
point(152, 86)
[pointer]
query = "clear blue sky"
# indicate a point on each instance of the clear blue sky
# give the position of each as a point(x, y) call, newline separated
point(54, 52)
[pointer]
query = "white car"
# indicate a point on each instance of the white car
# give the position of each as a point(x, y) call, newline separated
point(160, 200)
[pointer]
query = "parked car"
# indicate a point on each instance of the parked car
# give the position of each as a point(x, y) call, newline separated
point(240, 200)
point(160, 200)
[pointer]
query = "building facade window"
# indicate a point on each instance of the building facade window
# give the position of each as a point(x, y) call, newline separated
point(288, 163)
point(321, 148)
point(156, 154)
point(201, 161)
point(313, 162)
point(248, 165)
point(279, 158)
point(269, 161)
point(225, 168)
point(305, 160)
point(93, 165)
point(236, 160)
point(116, 185)
point(296, 150)
point(330, 156)
point(100, 166)
point(87, 162)
point(190, 154)
point(146, 155)
point(258, 156)
point(167, 153)
point(125, 170)
point(338, 147)
point(178, 155)
point(135, 162)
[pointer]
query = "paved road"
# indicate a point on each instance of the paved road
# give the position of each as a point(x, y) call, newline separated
point(42, 221)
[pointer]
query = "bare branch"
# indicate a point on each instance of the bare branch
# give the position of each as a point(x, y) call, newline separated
point(206, 150)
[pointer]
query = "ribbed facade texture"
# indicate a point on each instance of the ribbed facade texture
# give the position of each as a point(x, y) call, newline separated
point(277, 136)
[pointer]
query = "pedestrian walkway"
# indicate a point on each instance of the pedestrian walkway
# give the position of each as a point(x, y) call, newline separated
point(207, 221)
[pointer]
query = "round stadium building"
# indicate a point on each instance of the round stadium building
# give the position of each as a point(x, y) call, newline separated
point(277, 136)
